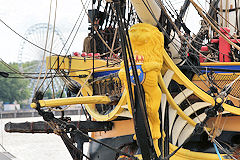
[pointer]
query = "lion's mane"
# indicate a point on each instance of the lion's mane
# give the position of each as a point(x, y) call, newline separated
point(147, 41)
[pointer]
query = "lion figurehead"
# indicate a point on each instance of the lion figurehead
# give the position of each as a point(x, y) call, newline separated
point(147, 41)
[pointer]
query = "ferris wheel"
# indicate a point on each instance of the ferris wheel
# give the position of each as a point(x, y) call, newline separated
point(40, 34)
point(32, 57)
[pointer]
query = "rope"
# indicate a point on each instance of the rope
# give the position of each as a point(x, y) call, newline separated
point(200, 11)
point(60, 110)
point(221, 12)
point(24, 37)
point(180, 35)
point(24, 75)
point(216, 149)
point(221, 81)
point(216, 126)
point(209, 45)
point(62, 124)
point(13, 69)
point(105, 145)
point(114, 39)
point(80, 90)
point(44, 54)
point(2, 132)
point(221, 148)
point(54, 24)
point(67, 41)
point(189, 103)
point(176, 47)
point(104, 42)
point(72, 41)
point(217, 23)
point(67, 140)
point(227, 22)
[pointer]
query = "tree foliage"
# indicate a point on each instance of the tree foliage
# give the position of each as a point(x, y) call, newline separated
point(12, 89)
point(49, 94)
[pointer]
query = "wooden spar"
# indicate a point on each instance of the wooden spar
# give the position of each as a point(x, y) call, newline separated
point(180, 33)
point(43, 127)
point(72, 101)
point(221, 13)
point(213, 26)
point(226, 14)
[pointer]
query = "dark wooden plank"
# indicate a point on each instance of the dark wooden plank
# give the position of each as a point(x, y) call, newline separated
point(43, 127)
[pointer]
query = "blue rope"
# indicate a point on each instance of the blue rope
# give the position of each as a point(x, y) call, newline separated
point(219, 156)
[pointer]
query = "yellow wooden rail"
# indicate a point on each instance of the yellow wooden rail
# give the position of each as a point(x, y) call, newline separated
point(182, 79)
point(184, 154)
point(220, 64)
point(173, 103)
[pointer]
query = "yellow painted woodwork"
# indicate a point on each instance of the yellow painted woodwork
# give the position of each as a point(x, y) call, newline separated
point(147, 42)
point(110, 116)
point(81, 66)
point(219, 100)
point(119, 129)
point(182, 79)
point(173, 103)
point(86, 88)
point(73, 100)
point(87, 91)
point(220, 64)
point(74, 63)
point(184, 154)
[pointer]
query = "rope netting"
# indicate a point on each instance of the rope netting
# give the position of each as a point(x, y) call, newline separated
point(223, 79)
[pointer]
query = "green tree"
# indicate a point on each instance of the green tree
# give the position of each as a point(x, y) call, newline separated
point(48, 94)
point(12, 89)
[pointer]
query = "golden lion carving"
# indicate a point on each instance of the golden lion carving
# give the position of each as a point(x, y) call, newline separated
point(148, 42)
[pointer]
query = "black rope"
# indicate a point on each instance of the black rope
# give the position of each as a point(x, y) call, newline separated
point(187, 60)
point(92, 139)
point(125, 40)
point(25, 38)
point(75, 153)
point(68, 127)
point(57, 60)
point(175, 151)
point(105, 145)
point(4, 75)
point(67, 52)
point(163, 30)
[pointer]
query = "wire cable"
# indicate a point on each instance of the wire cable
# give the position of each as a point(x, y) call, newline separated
point(66, 43)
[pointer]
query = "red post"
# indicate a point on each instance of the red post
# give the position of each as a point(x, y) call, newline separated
point(203, 49)
point(224, 46)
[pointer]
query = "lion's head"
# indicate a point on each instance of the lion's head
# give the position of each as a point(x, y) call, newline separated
point(147, 41)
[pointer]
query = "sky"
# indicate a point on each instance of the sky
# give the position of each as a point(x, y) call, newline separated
point(22, 14)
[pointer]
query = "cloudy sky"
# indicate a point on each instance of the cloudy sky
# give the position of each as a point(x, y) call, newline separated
point(22, 14)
